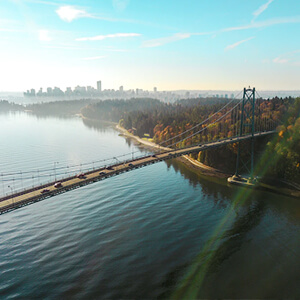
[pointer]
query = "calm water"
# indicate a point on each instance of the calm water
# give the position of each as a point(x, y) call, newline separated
point(162, 231)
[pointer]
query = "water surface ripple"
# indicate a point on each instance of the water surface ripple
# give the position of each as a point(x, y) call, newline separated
point(139, 234)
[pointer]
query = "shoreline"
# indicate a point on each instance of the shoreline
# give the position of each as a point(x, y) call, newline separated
point(205, 170)
point(95, 120)
point(209, 171)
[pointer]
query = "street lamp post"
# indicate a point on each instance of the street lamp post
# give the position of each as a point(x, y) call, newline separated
point(3, 185)
point(11, 193)
point(56, 162)
point(10, 189)
point(22, 179)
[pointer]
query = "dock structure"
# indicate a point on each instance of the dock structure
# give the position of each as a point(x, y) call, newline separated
point(243, 181)
point(48, 190)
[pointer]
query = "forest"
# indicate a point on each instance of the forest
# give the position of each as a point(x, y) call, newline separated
point(6, 106)
point(284, 149)
point(58, 108)
point(53, 108)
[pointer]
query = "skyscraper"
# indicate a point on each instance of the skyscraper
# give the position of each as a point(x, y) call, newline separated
point(99, 86)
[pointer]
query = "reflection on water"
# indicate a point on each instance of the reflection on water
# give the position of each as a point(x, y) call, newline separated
point(96, 125)
point(208, 183)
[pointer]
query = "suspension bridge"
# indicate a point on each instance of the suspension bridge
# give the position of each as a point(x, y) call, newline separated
point(237, 121)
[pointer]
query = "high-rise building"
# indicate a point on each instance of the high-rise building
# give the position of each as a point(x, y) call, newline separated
point(99, 87)
point(40, 92)
point(121, 89)
point(68, 91)
point(49, 91)
point(155, 89)
point(57, 92)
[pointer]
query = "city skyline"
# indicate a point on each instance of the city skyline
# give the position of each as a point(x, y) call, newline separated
point(97, 92)
point(174, 45)
point(81, 92)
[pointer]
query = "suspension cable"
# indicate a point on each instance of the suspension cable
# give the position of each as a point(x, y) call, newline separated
point(202, 121)
point(210, 124)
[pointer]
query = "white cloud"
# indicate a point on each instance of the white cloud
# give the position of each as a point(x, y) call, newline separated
point(71, 47)
point(107, 36)
point(70, 13)
point(267, 23)
point(279, 60)
point(68, 47)
point(94, 58)
point(262, 8)
point(44, 36)
point(291, 58)
point(253, 25)
point(165, 40)
point(238, 43)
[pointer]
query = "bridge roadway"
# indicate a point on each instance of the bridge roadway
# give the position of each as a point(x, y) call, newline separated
point(32, 195)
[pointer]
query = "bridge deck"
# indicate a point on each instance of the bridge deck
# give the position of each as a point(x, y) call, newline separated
point(35, 194)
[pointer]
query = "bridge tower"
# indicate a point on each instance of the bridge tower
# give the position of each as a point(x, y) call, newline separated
point(247, 127)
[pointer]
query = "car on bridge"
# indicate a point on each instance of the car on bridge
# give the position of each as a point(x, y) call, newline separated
point(80, 176)
point(102, 173)
point(130, 165)
point(45, 191)
point(109, 168)
point(58, 185)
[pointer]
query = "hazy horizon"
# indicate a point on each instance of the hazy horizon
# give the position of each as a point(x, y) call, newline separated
point(13, 96)
point(178, 90)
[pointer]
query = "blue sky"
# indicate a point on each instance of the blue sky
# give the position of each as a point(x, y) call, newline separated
point(171, 44)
